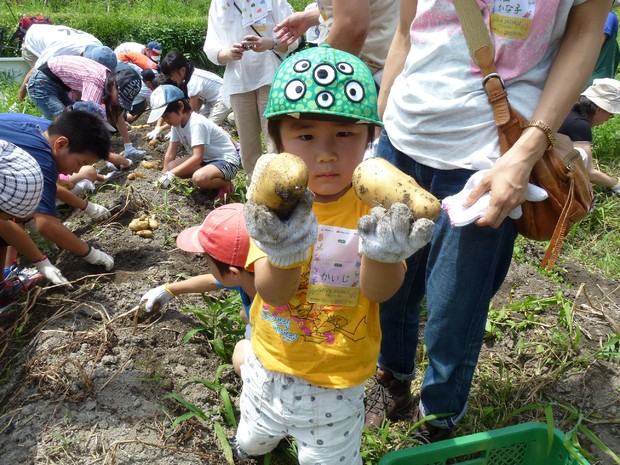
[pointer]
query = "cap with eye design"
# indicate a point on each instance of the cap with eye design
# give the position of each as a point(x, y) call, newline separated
point(324, 81)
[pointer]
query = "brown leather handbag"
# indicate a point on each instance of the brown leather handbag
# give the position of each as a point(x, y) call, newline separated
point(561, 170)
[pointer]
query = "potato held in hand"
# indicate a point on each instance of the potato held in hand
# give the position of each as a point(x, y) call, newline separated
point(282, 180)
point(377, 182)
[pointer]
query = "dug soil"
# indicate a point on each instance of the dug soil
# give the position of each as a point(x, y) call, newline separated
point(84, 382)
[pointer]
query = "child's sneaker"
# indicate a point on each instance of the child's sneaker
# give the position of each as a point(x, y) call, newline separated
point(225, 192)
point(19, 280)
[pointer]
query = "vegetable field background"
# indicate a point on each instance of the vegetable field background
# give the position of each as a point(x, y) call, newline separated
point(84, 382)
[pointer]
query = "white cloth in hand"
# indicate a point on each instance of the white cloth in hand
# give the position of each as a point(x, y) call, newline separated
point(165, 180)
point(96, 211)
point(50, 272)
point(156, 299)
point(286, 242)
point(154, 133)
point(461, 216)
point(131, 151)
point(97, 257)
point(390, 236)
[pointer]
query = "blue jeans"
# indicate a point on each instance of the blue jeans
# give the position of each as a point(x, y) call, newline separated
point(47, 96)
point(459, 271)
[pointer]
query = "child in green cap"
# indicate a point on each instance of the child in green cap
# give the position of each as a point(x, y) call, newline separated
point(319, 274)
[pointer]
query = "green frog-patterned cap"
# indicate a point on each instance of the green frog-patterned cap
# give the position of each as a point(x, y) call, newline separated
point(324, 80)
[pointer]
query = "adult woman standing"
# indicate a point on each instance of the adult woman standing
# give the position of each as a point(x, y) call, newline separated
point(240, 37)
point(439, 127)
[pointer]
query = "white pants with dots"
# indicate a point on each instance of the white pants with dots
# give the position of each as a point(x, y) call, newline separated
point(326, 423)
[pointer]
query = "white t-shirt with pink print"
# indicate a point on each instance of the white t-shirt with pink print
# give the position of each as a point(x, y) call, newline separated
point(438, 112)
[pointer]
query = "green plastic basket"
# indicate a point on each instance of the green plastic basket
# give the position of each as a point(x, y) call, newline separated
point(524, 444)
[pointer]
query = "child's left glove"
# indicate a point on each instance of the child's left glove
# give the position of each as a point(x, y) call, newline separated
point(390, 236)
point(286, 242)
point(131, 151)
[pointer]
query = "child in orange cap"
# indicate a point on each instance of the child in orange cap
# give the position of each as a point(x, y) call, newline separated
point(224, 241)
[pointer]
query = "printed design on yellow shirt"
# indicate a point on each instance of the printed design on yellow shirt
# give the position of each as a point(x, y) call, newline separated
point(328, 295)
point(512, 18)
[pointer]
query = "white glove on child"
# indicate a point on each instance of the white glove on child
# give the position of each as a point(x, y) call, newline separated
point(616, 188)
point(97, 257)
point(156, 299)
point(131, 151)
point(154, 133)
point(460, 216)
point(287, 242)
point(165, 180)
point(390, 236)
point(50, 272)
point(96, 211)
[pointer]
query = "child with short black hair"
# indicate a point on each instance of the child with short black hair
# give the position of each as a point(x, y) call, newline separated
point(74, 139)
point(213, 160)
point(321, 273)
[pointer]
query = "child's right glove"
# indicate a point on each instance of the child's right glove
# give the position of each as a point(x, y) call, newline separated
point(156, 299)
point(286, 242)
point(390, 236)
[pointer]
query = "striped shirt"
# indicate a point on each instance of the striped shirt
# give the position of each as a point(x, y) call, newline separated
point(85, 77)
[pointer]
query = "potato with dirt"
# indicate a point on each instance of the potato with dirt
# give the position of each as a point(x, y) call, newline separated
point(377, 182)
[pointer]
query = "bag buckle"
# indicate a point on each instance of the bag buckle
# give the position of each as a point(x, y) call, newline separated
point(493, 75)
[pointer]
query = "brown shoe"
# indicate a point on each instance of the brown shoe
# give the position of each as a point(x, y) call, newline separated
point(387, 398)
point(427, 433)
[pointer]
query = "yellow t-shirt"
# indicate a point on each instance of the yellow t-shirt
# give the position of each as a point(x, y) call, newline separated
point(329, 333)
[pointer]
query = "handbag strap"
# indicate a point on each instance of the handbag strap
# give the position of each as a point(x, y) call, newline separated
point(482, 52)
point(560, 231)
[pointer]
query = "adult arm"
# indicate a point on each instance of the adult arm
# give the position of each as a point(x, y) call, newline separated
point(509, 176)
point(218, 50)
point(399, 49)
point(294, 26)
point(350, 25)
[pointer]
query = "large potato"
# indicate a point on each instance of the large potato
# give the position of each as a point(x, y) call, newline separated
point(377, 182)
point(282, 180)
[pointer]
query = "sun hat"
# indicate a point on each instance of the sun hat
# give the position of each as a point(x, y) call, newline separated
point(605, 93)
point(326, 81)
point(155, 48)
point(101, 54)
point(21, 181)
point(161, 98)
point(129, 84)
point(222, 235)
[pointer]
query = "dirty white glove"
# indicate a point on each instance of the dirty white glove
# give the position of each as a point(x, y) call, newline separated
point(168, 135)
point(390, 236)
point(50, 272)
point(96, 211)
point(286, 242)
point(154, 133)
point(82, 186)
point(165, 180)
point(157, 298)
point(616, 188)
point(97, 257)
point(460, 216)
point(131, 151)
point(112, 166)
